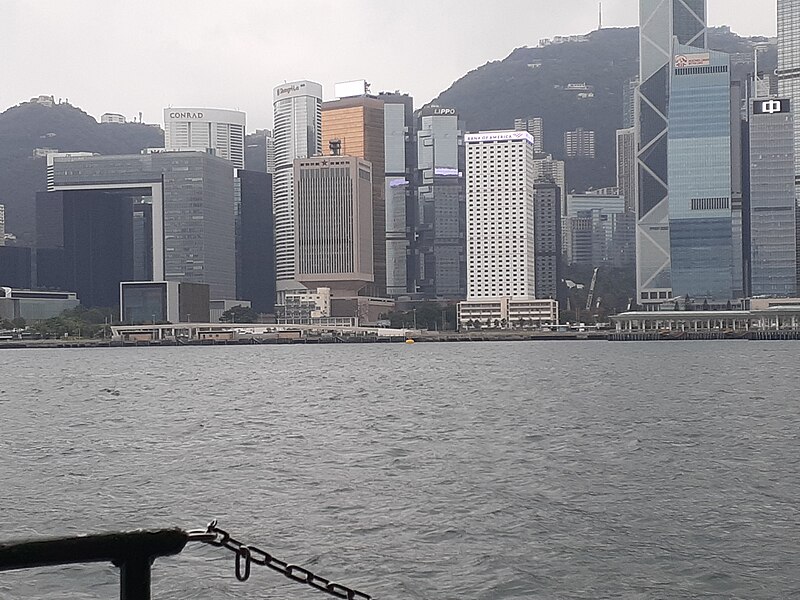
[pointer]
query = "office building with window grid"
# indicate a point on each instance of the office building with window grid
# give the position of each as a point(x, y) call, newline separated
point(297, 133)
point(500, 215)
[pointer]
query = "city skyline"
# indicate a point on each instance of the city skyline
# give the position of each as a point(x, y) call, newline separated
point(464, 37)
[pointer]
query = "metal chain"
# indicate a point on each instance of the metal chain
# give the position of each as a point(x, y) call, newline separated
point(246, 555)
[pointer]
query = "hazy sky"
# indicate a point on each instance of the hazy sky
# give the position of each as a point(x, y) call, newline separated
point(126, 57)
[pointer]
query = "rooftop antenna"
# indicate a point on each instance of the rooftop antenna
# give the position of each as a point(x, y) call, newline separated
point(600, 17)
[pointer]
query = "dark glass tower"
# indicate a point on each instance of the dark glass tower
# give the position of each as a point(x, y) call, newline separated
point(660, 23)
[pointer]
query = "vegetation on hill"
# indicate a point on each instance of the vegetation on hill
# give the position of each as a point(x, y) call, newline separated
point(63, 127)
point(533, 82)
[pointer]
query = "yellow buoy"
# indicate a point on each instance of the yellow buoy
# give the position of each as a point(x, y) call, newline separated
point(409, 341)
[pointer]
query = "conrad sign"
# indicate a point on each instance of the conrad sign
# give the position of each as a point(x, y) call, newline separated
point(186, 116)
point(194, 114)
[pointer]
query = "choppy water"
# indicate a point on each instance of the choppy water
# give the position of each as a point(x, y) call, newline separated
point(436, 471)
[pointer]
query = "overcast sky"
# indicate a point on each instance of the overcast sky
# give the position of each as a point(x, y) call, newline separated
point(126, 57)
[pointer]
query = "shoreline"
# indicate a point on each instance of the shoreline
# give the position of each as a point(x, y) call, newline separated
point(428, 337)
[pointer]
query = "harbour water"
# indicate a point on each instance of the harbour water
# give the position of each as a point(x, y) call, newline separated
point(429, 471)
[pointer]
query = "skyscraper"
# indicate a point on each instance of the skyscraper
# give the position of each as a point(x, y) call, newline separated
point(399, 192)
point(89, 226)
point(214, 130)
point(773, 252)
point(2, 225)
point(699, 161)
point(441, 226)
point(547, 226)
point(789, 68)
point(629, 103)
point(358, 123)
point(626, 166)
point(660, 22)
point(255, 240)
point(534, 126)
point(546, 168)
point(500, 215)
point(333, 223)
point(297, 133)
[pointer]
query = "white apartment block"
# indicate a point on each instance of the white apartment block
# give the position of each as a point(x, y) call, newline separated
point(218, 131)
point(500, 215)
point(507, 313)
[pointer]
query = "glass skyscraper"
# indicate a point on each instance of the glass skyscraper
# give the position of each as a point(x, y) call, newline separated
point(442, 218)
point(699, 170)
point(399, 192)
point(660, 21)
point(789, 80)
point(773, 252)
point(789, 67)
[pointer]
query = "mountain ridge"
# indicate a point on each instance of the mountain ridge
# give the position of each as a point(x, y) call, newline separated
point(532, 81)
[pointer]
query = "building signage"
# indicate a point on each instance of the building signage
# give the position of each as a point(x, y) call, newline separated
point(692, 60)
point(771, 106)
point(446, 172)
point(288, 89)
point(444, 111)
point(498, 136)
point(186, 115)
point(351, 89)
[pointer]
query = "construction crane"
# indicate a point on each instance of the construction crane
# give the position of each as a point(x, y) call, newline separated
point(590, 297)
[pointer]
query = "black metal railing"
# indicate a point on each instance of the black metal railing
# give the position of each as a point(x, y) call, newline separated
point(133, 552)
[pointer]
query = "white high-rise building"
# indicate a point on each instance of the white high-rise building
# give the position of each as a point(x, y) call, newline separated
point(789, 68)
point(297, 133)
point(534, 126)
point(2, 225)
point(218, 131)
point(500, 215)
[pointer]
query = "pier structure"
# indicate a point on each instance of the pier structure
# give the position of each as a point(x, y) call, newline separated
point(233, 332)
point(782, 318)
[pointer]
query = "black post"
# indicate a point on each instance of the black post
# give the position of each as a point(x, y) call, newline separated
point(134, 578)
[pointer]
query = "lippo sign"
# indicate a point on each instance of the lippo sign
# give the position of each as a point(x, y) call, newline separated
point(692, 60)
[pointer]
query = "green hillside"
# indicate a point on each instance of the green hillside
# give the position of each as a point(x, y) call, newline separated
point(63, 127)
point(533, 82)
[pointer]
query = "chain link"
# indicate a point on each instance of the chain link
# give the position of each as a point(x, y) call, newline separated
point(247, 555)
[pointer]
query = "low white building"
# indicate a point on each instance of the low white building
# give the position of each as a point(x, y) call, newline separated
point(302, 307)
point(112, 118)
point(507, 313)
